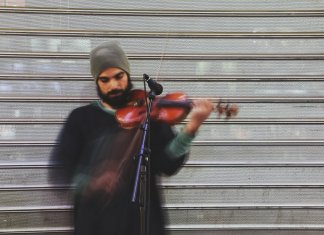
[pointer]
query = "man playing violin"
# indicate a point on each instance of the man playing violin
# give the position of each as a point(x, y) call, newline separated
point(98, 155)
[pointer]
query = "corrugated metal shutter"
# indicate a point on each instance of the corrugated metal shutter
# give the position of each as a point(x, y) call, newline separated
point(261, 173)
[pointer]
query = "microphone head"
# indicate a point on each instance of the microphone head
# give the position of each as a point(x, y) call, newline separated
point(158, 89)
point(146, 77)
point(153, 85)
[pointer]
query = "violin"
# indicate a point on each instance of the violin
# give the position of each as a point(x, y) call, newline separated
point(171, 108)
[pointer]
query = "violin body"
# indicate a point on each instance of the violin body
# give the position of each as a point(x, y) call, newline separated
point(171, 108)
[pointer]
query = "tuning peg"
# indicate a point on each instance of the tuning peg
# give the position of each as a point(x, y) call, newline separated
point(231, 110)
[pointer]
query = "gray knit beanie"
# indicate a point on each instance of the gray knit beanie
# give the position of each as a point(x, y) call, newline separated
point(108, 55)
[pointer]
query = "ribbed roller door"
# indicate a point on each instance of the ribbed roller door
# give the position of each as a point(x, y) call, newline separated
point(260, 173)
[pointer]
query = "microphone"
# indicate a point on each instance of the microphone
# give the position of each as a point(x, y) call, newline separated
point(157, 88)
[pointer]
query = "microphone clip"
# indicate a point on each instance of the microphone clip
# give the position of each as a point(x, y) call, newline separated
point(156, 88)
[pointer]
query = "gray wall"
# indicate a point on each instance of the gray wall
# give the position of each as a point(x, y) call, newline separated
point(260, 173)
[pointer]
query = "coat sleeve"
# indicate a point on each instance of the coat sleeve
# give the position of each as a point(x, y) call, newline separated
point(162, 161)
point(67, 151)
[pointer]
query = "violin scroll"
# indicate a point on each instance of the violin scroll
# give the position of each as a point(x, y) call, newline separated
point(229, 110)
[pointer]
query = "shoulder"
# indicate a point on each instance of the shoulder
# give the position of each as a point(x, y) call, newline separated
point(82, 113)
point(83, 110)
point(90, 115)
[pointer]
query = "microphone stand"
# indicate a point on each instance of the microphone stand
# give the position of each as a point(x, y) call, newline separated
point(142, 174)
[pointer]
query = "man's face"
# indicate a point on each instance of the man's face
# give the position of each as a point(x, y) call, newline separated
point(113, 87)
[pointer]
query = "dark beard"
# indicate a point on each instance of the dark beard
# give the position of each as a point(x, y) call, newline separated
point(119, 101)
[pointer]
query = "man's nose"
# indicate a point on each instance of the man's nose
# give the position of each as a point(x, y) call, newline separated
point(114, 84)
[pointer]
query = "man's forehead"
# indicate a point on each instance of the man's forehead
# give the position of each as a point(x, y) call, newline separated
point(111, 72)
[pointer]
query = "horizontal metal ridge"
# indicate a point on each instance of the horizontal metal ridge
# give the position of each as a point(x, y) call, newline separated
point(173, 78)
point(28, 165)
point(155, 34)
point(60, 55)
point(195, 143)
point(162, 12)
point(28, 143)
point(27, 209)
point(233, 186)
point(268, 121)
point(34, 187)
point(49, 99)
point(191, 206)
point(44, 165)
point(38, 230)
point(259, 143)
point(43, 187)
point(277, 99)
point(188, 228)
point(253, 164)
point(226, 227)
point(31, 121)
point(236, 121)
point(214, 206)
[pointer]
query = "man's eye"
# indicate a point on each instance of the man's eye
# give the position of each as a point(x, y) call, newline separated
point(104, 80)
point(119, 76)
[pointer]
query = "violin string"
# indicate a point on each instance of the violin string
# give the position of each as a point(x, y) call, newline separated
point(162, 55)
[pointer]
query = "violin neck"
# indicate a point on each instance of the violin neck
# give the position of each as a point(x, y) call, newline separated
point(174, 104)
